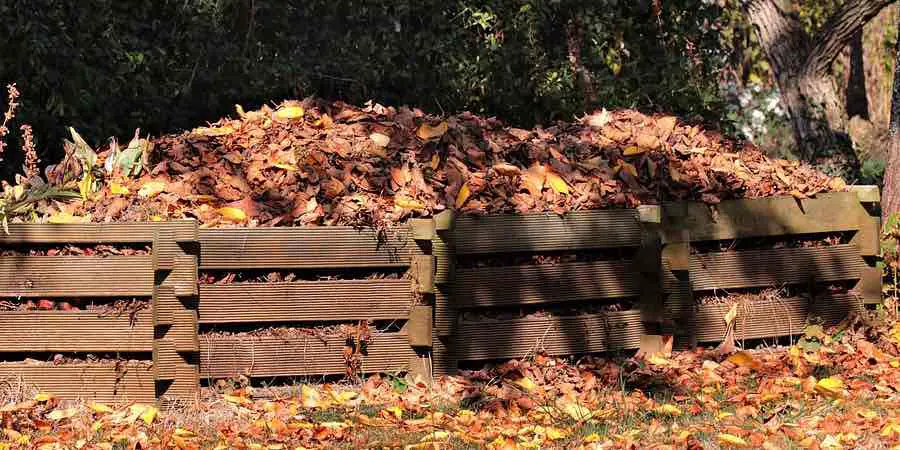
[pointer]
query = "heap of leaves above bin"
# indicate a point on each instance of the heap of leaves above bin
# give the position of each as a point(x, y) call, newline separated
point(317, 163)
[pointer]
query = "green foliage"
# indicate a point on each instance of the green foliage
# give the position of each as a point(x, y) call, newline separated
point(872, 171)
point(107, 67)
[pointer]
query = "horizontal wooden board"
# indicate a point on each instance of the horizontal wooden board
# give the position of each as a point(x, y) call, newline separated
point(306, 301)
point(767, 319)
point(81, 331)
point(546, 232)
point(532, 284)
point(326, 247)
point(100, 383)
point(774, 216)
point(76, 276)
point(301, 356)
point(555, 335)
point(774, 267)
point(97, 233)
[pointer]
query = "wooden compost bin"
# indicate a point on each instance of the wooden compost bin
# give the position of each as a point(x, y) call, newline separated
point(808, 270)
point(635, 277)
point(352, 300)
point(60, 277)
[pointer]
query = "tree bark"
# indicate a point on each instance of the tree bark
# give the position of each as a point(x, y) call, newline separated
point(890, 199)
point(801, 66)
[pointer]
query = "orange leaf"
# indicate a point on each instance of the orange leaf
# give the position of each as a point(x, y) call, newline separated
point(633, 150)
point(426, 131)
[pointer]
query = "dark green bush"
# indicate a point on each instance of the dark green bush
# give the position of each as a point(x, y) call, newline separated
point(108, 66)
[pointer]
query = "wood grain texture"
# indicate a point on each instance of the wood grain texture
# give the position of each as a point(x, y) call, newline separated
point(305, 301)
point(546, 232)
point(307, 248)
point(102, 383)
point(81, 331)
point(298, 356)
point(76, 276)
point(774, 267)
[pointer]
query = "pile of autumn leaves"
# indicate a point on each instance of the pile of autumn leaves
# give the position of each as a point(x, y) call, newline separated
point(317, 163)
point(838, 388)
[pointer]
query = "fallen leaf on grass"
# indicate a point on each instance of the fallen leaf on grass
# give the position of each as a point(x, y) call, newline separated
point(732, 440)
point(289, 112)
point(668, 410)
point(830, 386)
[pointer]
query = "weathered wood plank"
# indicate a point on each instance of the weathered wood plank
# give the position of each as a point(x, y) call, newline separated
point(546, 232)
point(76, 331)
point(775, 216)
point(96, 233)
point(555, 335)
point(326, 247)
point(520, 285)
point(300, 356)
point(102, 383)
point(774, 267)
point(76, 276)
point(305, 301)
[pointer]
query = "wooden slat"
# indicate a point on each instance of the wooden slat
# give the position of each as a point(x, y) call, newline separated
point(774, 267)
point(519, 285)
point(300, 356)
point(102, 383)
point(555, 335)
point(81, 331)
point(545, 232)
point(305, 301)
point(76, 276)
point(95, 233)
point(767, 319)
point(775, 216)
point(327, 247)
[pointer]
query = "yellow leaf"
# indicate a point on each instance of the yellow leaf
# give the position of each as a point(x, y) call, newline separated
point(557, 183)
point(463, 195)
point(669, 410)
point(633, 150)
point(156, 219)
point(798, 195)
point(743, 359)
point(525, 383)
point(406, 202)
point(723, 415)
point(236, 399)
point(151, 188)
point(625, 167)
point(731, 314)
point(890, 429)
point(658, 360)
point(118, 189)
point(593, 437)
point(149, 414)
point(426, 131)
point(100, 408)
point(396, 411)
point(65, 217)
point(343, 397)
point(289, 112)
point(732, 440)
point(213, 131)
point(86, 185)
point(233, 214)
point(309, 397)
point(867, 414)
point(576, 411)
point(325, 121)
point(285, 166)
point(435, 161)
point(43, 397)
point(830, 386)
point(183, 433)
point(436, 436)
point(554, 434)
point(380, 140)
point(59, 414)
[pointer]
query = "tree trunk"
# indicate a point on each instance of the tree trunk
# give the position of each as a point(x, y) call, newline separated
point(890, 199)
point(801, 67)
point(857, 100)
